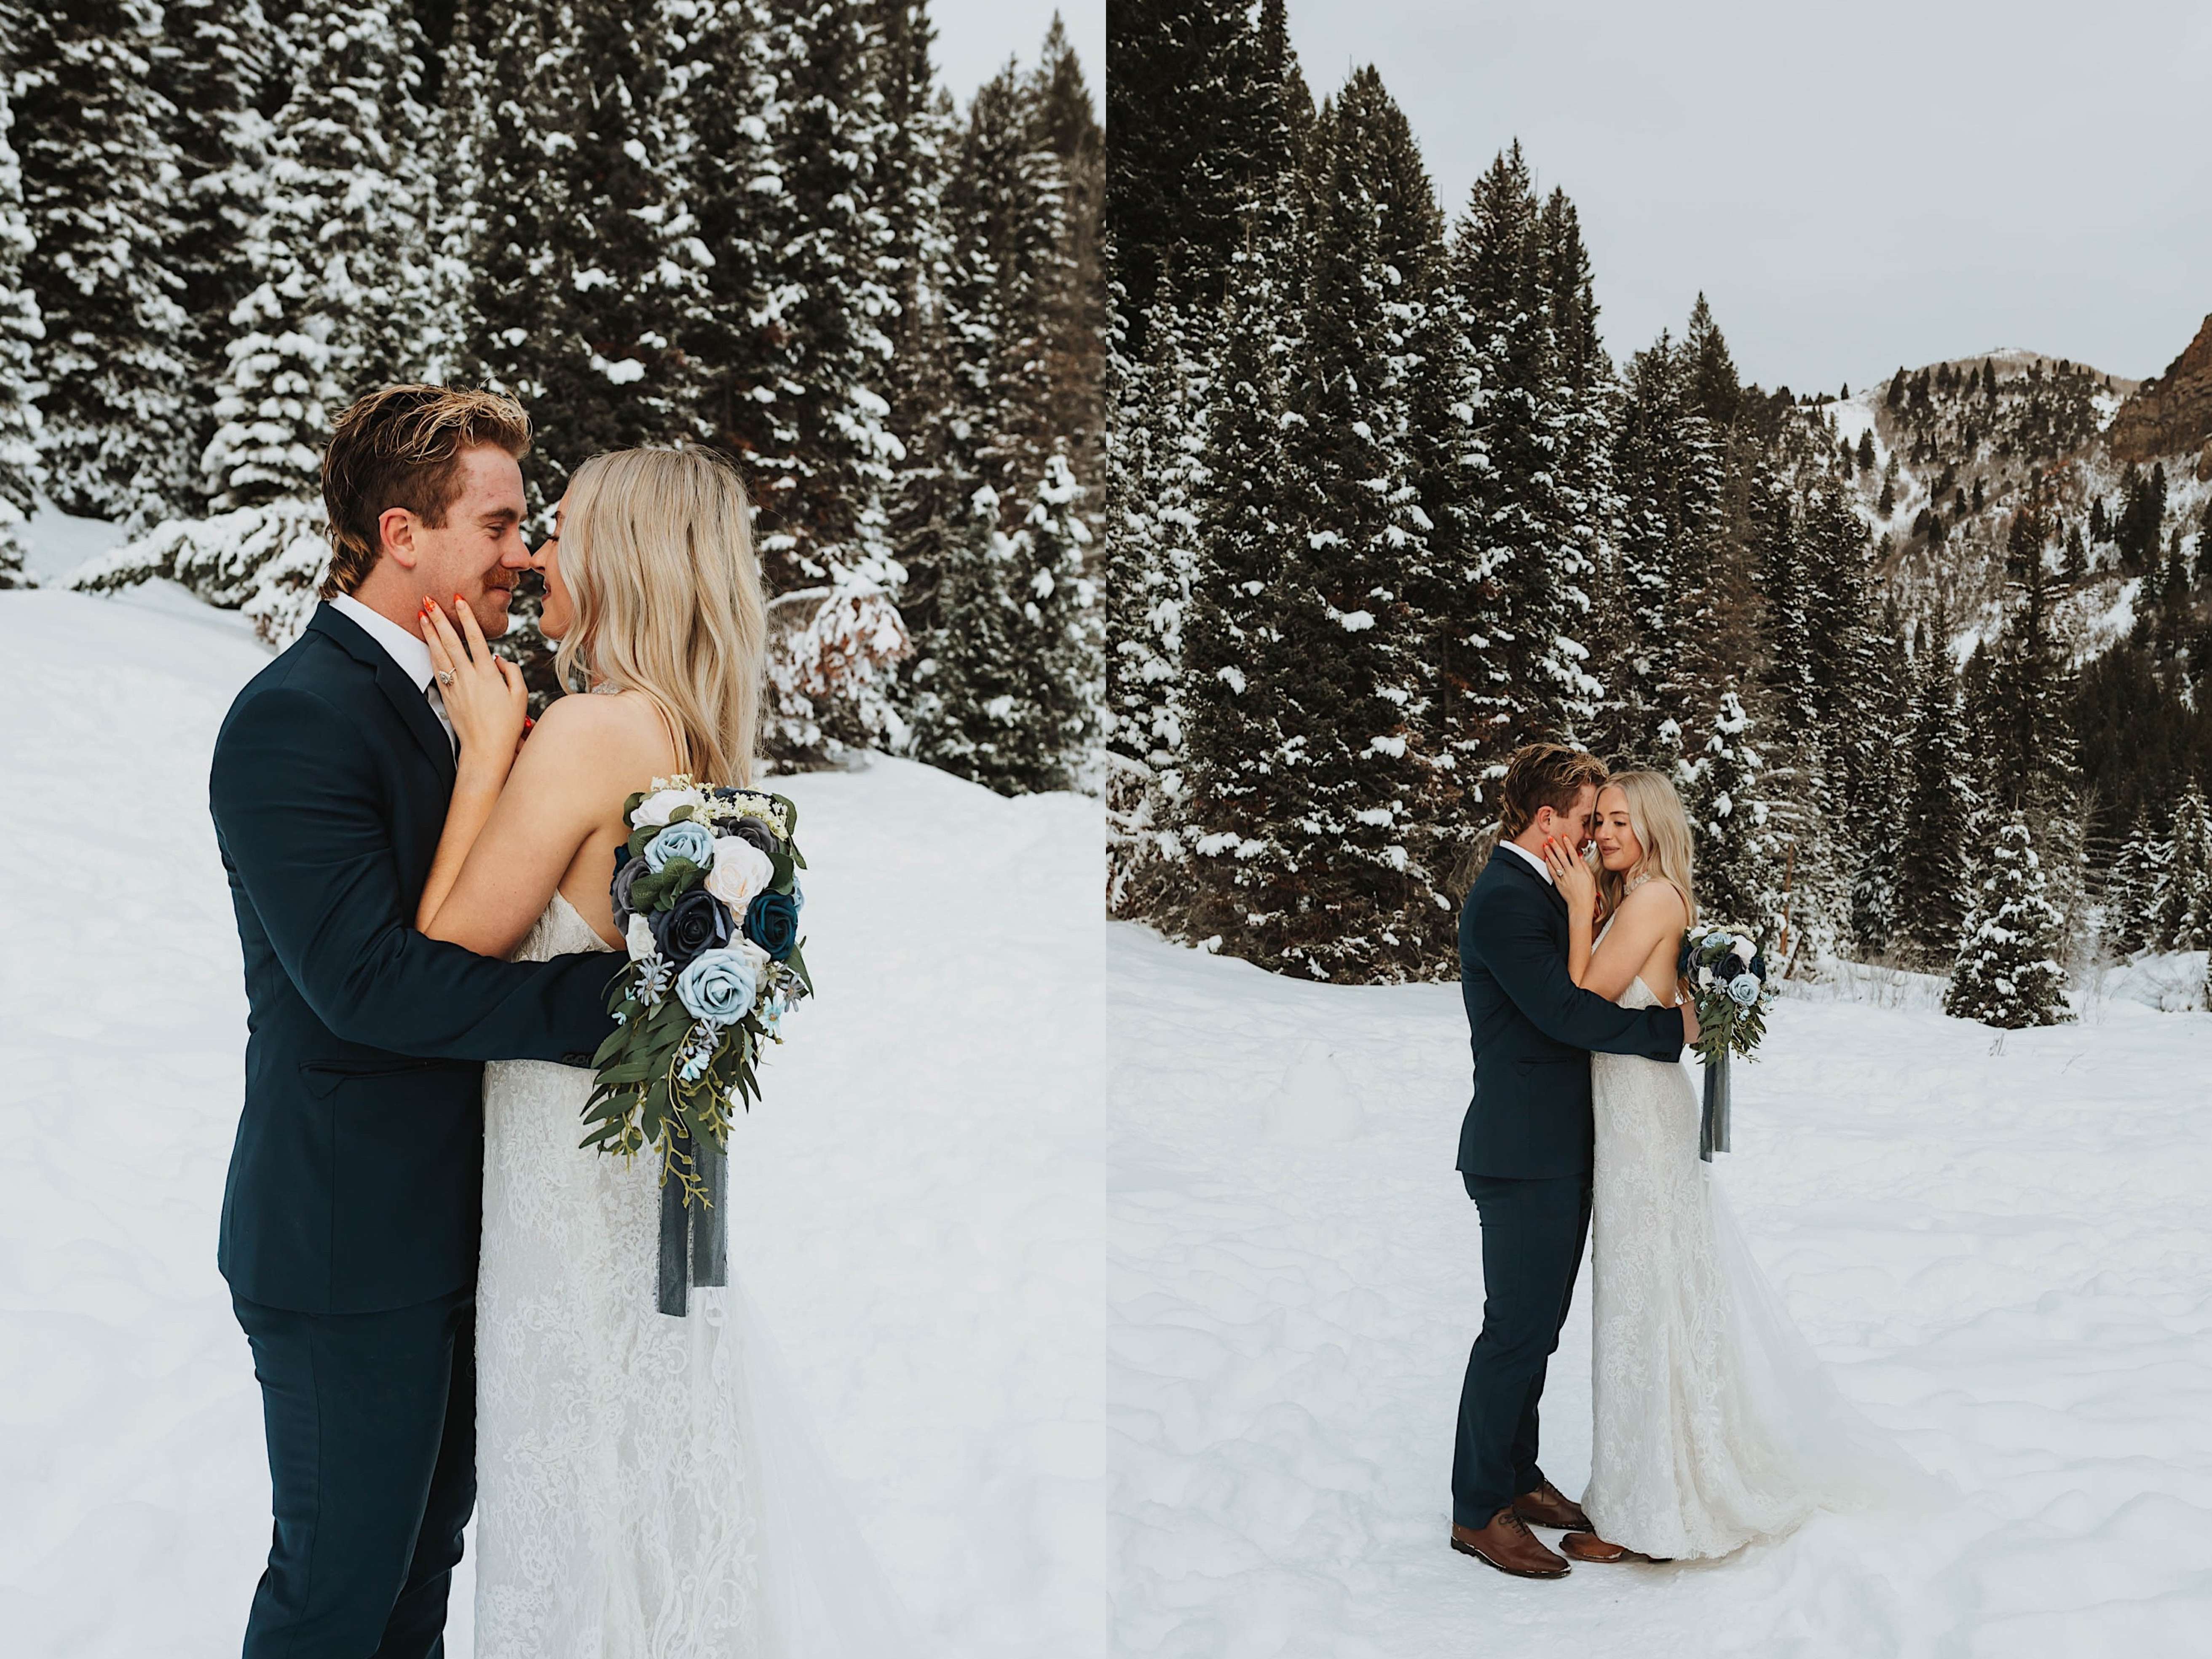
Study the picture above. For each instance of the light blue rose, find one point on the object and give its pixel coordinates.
(687, 839)
(718, 986)
(1744, 989)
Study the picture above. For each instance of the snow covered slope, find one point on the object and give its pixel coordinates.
(2000, 1241)
(919, 1208)
(2050, 417)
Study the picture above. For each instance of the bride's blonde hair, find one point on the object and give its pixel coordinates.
(1662, 829)
(657, 552)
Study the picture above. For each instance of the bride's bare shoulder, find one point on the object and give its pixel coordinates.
(1654, 907)
(588, 734)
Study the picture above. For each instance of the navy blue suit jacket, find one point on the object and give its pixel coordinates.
(1533, 1029)
(356, 1180)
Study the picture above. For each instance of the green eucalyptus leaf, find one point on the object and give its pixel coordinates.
(661, 888)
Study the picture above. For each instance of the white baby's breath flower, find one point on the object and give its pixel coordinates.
(741, 873)
(639, 938)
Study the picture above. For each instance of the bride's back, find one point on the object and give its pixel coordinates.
(597, 752)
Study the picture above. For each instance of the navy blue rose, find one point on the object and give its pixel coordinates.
(696, 922)
(772, 923)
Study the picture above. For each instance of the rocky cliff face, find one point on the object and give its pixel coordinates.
(2172, 414)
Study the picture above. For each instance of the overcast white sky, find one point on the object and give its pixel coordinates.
(975, 37)
(1854, 184)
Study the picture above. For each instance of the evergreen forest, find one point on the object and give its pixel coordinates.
(760, 225)
(1929, 665)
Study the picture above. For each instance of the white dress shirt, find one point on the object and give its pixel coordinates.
(406, 649)
(1534, 863)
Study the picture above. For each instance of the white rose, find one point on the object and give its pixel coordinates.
(741, 873)
(639, 938)
(655, 809)
(1744, 947)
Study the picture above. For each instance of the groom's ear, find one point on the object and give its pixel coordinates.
(395, 535)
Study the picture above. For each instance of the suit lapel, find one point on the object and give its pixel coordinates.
(412, 705)
(1514, 863)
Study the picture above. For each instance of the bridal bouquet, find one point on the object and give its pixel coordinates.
(705, 891)
(1726, 974)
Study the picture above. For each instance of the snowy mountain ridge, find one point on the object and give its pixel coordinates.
(1937, 460)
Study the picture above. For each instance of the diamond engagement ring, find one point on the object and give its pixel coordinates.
(444, 676)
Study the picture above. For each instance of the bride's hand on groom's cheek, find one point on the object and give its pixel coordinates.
(1570, 873)
(484, 695)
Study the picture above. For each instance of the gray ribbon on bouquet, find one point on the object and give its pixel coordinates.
(695, 1238)
(1713, 1125)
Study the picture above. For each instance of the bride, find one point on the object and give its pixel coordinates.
(646, 1485)
(1714, 1425)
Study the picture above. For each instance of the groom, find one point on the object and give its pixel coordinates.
(1524, 1149)
(350, 1216)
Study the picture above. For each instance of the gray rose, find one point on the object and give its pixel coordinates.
(625, 878)
(752, 828)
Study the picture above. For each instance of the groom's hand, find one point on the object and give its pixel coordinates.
(1689, 1022)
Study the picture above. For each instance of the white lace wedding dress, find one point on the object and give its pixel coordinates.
(647, 1487)
(1714, 1424)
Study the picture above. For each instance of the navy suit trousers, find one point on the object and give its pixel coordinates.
(1533, 1232)
(371, 1422)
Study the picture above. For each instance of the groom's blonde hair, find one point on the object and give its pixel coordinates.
(657, 552)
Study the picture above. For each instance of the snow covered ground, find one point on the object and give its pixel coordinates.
(2167, 981)
(2000, 1241)
(920, 1208)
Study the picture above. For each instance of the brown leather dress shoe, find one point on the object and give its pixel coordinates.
(1508, 1545)
(1547, 1506)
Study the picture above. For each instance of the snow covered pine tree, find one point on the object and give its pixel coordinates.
(2008, 973)
(20, 333)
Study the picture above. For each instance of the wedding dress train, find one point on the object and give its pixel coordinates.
(1713, 1423)
(648, 1487)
